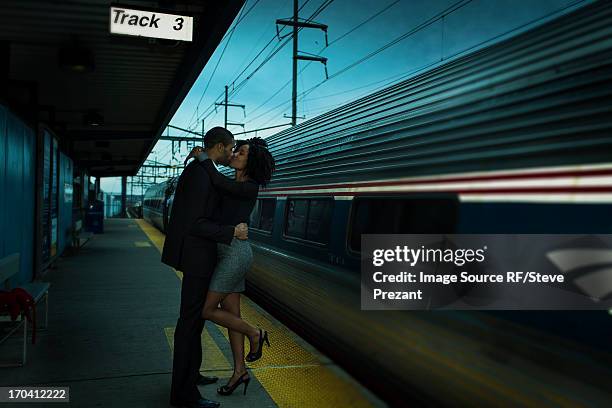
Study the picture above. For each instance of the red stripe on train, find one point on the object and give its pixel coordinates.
(573, 173)
(542, 190)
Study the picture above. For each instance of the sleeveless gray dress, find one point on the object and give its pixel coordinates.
(234, 260)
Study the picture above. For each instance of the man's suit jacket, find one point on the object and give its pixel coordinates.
(193, 231)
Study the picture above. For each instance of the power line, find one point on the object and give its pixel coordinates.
(449, 10)
(265, 47)
(239, 20)
(226, 104)
(235, 88)
(456, 6)
(338, 39)
(358, 26)
(427, 66)
(212, 106)
(405, 35)
(229, 33)
(318, 11)
(229, 39)
(258, 42)
(262, 50)
(297, 24)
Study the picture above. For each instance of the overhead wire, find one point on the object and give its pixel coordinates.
(445, 12)
(428, 22)
(336, 40)
(358, 26)
(211, 108)
(318, 11)
(454, 7)
(239, 20)
(258, 42)
(449, 10)
(227, 35)
(270, 55)
(264, 48)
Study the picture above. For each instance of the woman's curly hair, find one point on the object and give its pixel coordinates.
(260, 163)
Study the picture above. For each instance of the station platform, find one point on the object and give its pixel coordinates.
(113, 307)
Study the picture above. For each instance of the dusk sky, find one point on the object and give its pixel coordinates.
(357, 28)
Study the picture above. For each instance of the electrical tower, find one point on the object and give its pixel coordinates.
(226, 104)
(295, 23)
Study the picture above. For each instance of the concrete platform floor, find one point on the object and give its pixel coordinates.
(113, 309)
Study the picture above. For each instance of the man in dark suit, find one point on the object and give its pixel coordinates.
(191, 247)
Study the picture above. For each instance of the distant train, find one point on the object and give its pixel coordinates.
(516, 138)
(157, 203)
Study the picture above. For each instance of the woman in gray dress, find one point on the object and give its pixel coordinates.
(253, 164)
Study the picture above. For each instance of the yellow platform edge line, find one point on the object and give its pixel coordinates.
(308, 384)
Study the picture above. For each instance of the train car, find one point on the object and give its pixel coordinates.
(514, 138)
(157, 203)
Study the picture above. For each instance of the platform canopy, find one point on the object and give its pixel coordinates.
(108, 97)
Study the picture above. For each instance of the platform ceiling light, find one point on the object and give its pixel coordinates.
(93, 118)
(76, 59)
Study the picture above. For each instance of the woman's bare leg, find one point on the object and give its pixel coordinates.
(231, 303)
(226, 319)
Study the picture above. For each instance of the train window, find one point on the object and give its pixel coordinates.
(309, 219)
(319, 220)
(268, 206)
(255, 215)
(296, 218)
(262, 216)
(426, 215)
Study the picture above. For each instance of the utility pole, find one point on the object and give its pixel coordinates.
(295, 23)
(226, 104)
(295, 64)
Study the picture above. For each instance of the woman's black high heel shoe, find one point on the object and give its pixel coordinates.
(254, 356)
(228, 389)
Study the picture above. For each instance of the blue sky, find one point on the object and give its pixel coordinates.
(356, 29)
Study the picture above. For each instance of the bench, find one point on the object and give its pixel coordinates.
(9, 267)
(80, 236)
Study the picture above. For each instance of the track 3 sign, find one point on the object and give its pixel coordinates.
(126, 21)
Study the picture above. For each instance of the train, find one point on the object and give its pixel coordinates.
(513, 138)
(157, 203)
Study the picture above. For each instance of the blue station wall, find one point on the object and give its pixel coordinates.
(17, 191)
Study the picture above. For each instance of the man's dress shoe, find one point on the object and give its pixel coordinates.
(203, 380)
(201, 403)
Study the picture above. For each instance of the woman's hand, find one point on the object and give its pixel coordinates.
(193, 153)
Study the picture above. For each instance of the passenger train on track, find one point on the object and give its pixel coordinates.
(514, 138)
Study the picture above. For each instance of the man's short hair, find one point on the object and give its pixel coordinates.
(218, 135)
